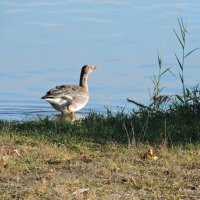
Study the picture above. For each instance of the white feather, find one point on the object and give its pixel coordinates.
(58, 101)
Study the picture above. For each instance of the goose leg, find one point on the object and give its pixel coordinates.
(62, 117)
(72, 116)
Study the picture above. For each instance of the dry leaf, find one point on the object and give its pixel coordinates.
(86, 159)
(150, 155)
(80, 191)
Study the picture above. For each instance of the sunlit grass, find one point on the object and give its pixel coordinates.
(45, 169)
(102, 157)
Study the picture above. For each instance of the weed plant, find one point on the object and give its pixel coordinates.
(181, 36)
(174, 118)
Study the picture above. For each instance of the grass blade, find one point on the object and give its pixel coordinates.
(166, 70)
(136, 103)
(159, 61)
(180, 98)
(190, 52)
(178, 38)
(181, 77)
(182, 28)
(179, 62)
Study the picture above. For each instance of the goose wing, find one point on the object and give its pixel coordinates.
(65, 92)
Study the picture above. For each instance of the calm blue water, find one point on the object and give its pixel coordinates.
(45, 43)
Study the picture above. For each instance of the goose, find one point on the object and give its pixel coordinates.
(71, 98)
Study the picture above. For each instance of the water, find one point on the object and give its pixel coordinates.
(45, 43)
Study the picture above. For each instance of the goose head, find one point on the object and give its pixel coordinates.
(87, 69)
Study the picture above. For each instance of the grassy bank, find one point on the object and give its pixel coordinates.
(100, 157)
(180, 125)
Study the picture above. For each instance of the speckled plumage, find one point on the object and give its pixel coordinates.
(70, 98)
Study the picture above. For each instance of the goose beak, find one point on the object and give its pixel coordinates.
(95, 67)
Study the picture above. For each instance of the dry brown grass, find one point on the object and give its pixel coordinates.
(42, 170)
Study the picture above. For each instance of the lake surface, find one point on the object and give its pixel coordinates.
(45, 43)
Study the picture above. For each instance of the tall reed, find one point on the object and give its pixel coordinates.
(181, 36)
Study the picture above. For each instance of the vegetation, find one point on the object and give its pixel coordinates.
(175, 116)
(50, 159)
(181, 61)
(151, 153)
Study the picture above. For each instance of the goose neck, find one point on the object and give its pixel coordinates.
(83, 81)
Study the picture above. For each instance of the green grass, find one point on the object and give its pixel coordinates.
(175, 126)
(101, 153)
